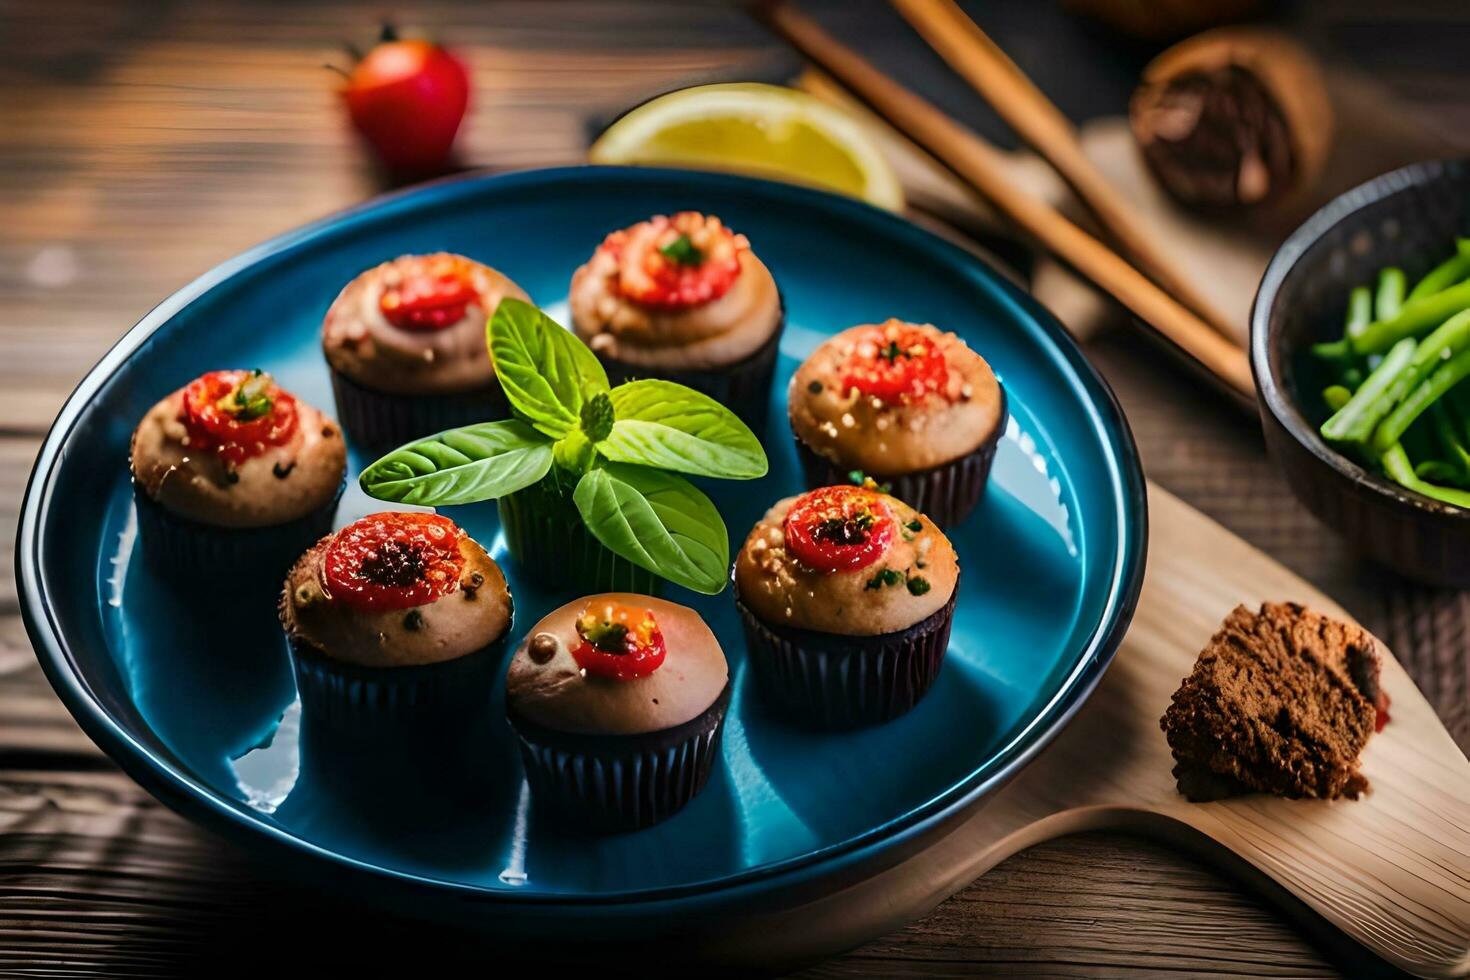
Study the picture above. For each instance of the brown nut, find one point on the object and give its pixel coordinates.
(542, 647)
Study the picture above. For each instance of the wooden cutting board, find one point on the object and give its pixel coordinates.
(1390, 872)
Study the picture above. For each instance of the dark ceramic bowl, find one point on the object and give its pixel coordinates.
(1408, 218)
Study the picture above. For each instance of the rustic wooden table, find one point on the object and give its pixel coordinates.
(143, 143)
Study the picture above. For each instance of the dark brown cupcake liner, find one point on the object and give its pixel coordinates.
(946, 494)
(381, 421)
(547, 539)
(743, 387)
(828, 681)
(187, 551)
(350, 699)
(620, 782)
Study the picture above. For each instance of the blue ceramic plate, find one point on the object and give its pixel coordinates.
(199, 706)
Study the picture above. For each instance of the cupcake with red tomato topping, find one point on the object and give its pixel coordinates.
(684, 299)
(395, 616)
(618, 701)
(906, 404)
(232, 474)
(405, 342)
(846, 595)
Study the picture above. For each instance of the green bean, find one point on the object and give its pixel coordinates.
(1420, 316)
(1416, 402)
(1396, 464)
(1360, 310)
(1438, 471)
(1355, 421)
(1446, 274)
(1359, 315)
(1336, 396)
(1388, 300)
(1451, 337)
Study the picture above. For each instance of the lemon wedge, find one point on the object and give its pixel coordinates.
(747, 127)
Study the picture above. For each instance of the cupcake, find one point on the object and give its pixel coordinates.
(684, 299)
(846, 595)
(232, 475)
(618, 701)
(405, 342)
(906, 404)
(397, 616)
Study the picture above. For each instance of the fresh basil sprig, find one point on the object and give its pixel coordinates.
(621, 449)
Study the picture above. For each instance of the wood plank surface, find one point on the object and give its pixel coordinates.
(143, 142)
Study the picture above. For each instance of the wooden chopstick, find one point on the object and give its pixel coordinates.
(978, 164)
(1037, 120)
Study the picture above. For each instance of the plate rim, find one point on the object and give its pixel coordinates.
(199, 803)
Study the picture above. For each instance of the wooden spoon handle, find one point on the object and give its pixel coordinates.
(979, 60)
(979, 164)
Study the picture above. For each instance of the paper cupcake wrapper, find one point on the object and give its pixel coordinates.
(547, 539)
(945, 494)
(615, 783)
(185, 550)
(831, 682)
(381, 421)
(345, 698)
(744, 387)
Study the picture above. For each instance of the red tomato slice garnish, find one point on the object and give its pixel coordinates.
(237, 414)
(618, 641)
(676, 262)
(896, 362)
(838, 529)
(434, 293)
(393, 560)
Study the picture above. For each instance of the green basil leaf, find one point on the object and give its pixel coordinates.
(658, 521)
(663, 424)
(462, 466)
(547, 373)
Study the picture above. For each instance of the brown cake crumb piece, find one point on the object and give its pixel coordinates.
(1280, 701)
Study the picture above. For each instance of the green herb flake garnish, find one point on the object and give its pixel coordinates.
(607, 637)
(252, 399)
(892, 352)
(682, 251)
(886, 576)
(918, 585)
(915, 525)
(861, 479)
